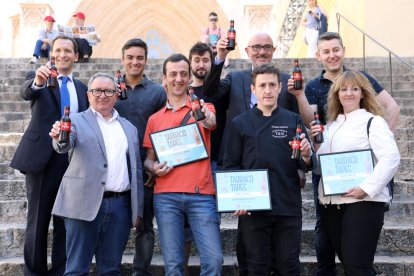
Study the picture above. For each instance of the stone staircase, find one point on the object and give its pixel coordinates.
(395, 252)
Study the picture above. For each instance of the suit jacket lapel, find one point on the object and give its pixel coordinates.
(82, 102)
(92, 121)
(247, 81)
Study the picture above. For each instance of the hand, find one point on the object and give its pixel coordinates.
(241, 213)
(356, 192)
(54, 132)
(221, 47)
(291, 84)
(315, 130)
(161, 169)
(305, 147)
(42, 73)
(205, 110)
(150, 181)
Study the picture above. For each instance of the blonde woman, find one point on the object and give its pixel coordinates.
(354, 220)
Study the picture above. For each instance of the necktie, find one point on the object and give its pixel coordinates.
(64, 94)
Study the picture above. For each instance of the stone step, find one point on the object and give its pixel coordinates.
(13, 207)
(395, 240)
(7, 173)
(14, 126)
(391, 266)
(15, 106)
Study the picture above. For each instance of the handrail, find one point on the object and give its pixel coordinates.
(390, 53)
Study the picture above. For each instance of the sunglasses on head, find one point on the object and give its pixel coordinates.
(213, 19)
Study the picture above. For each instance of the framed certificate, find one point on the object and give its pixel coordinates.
(179, 145)
(341, 171)
(238, 190)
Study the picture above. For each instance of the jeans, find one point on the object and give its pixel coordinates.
(325, 252)
(144, 240)
(105, 237)
(200, 211)
(38, 52)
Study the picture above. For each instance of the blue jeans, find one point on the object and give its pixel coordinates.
(38, 52)
(325, 252)
(105, 237)
(200, 211)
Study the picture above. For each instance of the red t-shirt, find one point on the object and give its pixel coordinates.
(194, 177)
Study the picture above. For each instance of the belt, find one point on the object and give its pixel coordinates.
(115, 194)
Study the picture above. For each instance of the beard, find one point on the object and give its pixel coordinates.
(200, 74)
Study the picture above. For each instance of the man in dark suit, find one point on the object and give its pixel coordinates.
(36, 158)
(234, 90)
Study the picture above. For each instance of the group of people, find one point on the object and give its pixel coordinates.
(48, 33)
(107, 177)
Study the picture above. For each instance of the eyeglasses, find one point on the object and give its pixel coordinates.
(107, 92)
(266, 48)
(213, 19)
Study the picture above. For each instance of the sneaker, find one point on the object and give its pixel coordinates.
(33, 60)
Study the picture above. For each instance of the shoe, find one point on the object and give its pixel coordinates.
(33, 60)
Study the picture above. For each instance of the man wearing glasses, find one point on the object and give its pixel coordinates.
(235, 92)
(101, 194)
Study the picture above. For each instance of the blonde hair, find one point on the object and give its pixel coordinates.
(369, 100)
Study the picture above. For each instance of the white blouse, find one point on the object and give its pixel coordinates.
(349, 132)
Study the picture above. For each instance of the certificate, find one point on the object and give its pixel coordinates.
(341, 171)
(179, 145)
(238, 190)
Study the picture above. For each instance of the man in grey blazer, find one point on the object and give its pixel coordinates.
(101, 193)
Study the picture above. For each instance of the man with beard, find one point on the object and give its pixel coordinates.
(201, 58)
(144, 99)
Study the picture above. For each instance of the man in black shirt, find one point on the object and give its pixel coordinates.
(201, 58)
(144, 99)
(260, 140)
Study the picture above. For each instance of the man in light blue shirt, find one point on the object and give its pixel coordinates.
(44, 41)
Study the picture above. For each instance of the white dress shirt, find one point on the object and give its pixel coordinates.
(349, 132)
(116, 147)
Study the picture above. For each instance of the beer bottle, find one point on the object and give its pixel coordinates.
(231, 36)
(296, 143)
(319, 136)
(297, 76)
(195, 105)
(65, 124)
(121, 81)
(52, 79)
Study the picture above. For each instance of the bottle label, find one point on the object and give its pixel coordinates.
(122, 85)
(295, 144)
(297, 76)
(65, 126)
(195, 105)
(53, 73)
(231, 35)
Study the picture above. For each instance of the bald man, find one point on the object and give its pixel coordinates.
(235, 94)
(234, 90)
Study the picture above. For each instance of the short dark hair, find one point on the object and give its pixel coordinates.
(175, 58)
(199, 49)
(329, 36)
(75, 45)
(265, 69)
(135, 42)
(212, 14)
